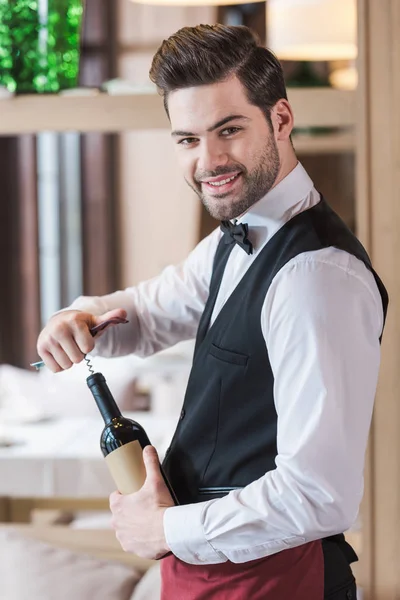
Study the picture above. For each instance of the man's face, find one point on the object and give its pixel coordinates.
(225, 146)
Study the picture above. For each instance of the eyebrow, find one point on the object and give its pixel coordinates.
(223, 121)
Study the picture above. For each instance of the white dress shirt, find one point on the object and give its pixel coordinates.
(321, 320)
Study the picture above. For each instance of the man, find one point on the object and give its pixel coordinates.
(267, 459)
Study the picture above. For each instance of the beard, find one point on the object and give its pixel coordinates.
(255, 184)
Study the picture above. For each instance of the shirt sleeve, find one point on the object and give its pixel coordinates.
(321, 320)
(161, 311)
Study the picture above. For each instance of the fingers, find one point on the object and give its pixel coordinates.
(84, 342)
(60, 356)
(50, 362)
(67, 337)
(65, 340)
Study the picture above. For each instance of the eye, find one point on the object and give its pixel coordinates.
(230, 131)
(187, 141)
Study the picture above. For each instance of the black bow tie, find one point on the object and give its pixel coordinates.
(237, 233)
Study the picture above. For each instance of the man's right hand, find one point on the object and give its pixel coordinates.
(66, 338)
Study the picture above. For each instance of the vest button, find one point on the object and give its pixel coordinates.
(183, 413)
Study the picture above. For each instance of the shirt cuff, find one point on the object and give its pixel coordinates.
(185, 536)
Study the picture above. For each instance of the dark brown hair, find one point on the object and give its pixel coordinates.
(210, 53)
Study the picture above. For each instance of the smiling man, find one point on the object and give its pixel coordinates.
(268, 456)
(213, 168)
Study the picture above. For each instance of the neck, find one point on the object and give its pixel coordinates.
(288, 163)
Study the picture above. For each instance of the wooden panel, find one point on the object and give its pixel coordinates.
(333, 176)
(154, 198)
(19, 510)
(28, 272)
(98, 157)
(9, 252)
(14, 513)
(379, 217)
(325, 144)
(101, 113)
(153, 194)
(363, 204)
(142, 24)
(322, 107)
(19, 301)
(100, 543)
(4, 510)
(363, 231)
(98, 217)
(312, 107)
(94, 26)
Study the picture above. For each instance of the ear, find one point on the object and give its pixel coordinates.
(282, 120)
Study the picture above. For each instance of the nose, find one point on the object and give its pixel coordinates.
(212, 155)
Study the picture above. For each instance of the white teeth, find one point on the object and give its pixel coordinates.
(223, 182)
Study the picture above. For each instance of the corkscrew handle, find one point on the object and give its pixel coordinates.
(94, 330)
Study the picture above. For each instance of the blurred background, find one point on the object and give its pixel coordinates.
(76, 208)
(87, 170)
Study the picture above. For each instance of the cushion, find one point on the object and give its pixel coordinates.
(34, 570)
(149, 587)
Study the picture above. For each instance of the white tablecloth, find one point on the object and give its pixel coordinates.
(62, 457)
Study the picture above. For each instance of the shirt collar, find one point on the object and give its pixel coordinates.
(290, 191)
(275, 208)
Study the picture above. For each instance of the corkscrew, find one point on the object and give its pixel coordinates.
(93, 331)
(89, 364)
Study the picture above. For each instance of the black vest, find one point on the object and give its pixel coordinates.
(226, 436)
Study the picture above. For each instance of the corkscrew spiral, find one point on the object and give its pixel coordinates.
(90, 366)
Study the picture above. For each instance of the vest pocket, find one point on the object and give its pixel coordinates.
(228, 356)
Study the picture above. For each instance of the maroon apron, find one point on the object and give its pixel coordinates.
(293, 574)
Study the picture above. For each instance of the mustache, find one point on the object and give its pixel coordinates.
(200, 175)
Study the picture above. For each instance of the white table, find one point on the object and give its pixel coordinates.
(62, 457)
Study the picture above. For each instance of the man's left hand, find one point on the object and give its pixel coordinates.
(138, 517)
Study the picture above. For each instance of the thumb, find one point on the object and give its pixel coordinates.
(152, 464)
(117, 313)
(154, 480)
(112, 317)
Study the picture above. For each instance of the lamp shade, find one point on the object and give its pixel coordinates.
(193, 2)
(312, 29)
(344, 79)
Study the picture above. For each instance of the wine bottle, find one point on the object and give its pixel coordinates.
(122, 441)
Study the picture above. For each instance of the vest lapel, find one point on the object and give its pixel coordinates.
(221, 258)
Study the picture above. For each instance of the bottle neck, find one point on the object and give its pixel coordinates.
(104, 399)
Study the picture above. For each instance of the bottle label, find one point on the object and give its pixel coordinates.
(127, 467)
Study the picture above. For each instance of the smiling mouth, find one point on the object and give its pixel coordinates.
(223, 185)
(222, 181)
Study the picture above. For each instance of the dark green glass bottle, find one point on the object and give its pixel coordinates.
(40, 45)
